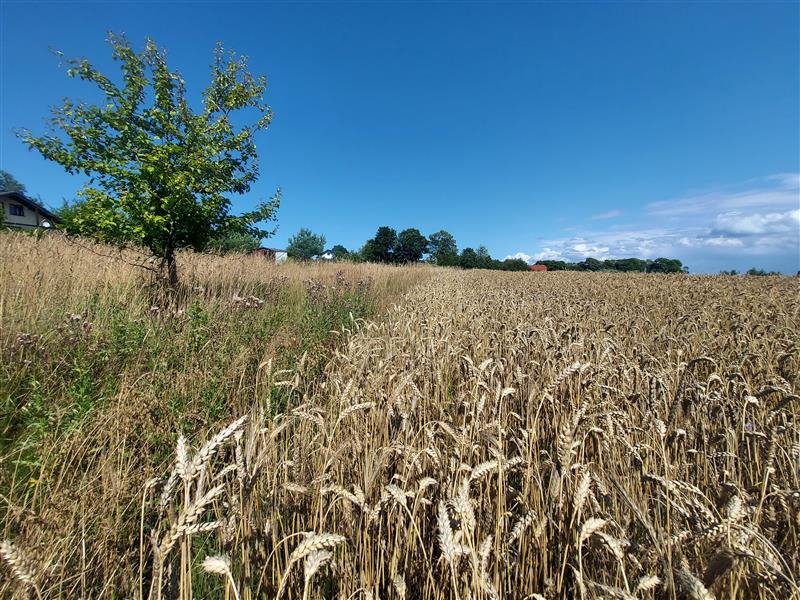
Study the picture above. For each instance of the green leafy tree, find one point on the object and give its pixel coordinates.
(591, 264)
(443, 249)
(9, 183)
(369, 252)
(468, 259)
(381, 247)
(410, 247)
(340, 252)
(665, 265)
(160, 173)
(68, 213)
(305, 244)
(761, 272)
(514, 264)
(484, 258)
(356, 256)
(556, 265)
(234, 241)
(626, 265)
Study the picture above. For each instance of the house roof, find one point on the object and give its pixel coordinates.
(32, 204)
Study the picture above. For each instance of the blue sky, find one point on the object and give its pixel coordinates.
(548, 130)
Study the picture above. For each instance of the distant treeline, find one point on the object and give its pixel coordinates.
(622, 265)
(440, 248)
(408, 246)
(753, 272)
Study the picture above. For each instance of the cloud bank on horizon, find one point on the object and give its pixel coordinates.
(754, 223)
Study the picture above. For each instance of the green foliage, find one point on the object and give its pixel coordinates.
(443, 249)
(126, 335)
(484, 259)
(369, 252)
(234, 241)
(305, 244)
(557, 265)
(198, 325)
(761, 272)
(381, 248)
(356, 255)
(623, 265)
(468, 259)
(160, 173)
(52, 381)
(441, 246)
(665, 265)
(626, 265)
(591, 264)
(340, 252)
(9, 183)
(514, 264)
(70, 215)
(410, 247)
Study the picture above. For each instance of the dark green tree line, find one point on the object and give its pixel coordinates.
(623, 265)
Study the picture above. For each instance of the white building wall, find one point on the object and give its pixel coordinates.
(29, 218)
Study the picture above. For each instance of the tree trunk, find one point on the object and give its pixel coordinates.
(169, 271)
(172, 270)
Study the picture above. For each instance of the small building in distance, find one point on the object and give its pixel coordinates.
(538, 267)
(272, 254)
(21, 212)
(326, 255)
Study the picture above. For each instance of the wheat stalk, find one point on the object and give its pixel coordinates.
(20, 566)
(221, 565)
(313, 543)
(450, 549)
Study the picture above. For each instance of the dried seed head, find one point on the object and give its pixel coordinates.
(21, 568)
(219, 565)
(314, 562)
(590, 526)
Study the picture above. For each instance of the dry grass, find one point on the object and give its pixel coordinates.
(491, 435)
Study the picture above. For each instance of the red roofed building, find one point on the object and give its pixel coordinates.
(538, 267)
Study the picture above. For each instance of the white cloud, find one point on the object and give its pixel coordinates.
(611, 214)
(755, 222)
(617, 243)
(737, 223)
(522, 255)
(772, 192)
(587, 249)
(722, 242)
(789, 180)
(548, 254)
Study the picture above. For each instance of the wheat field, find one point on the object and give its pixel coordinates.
(481, 435)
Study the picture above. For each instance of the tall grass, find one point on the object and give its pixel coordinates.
(99, 374)
(488, 435)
